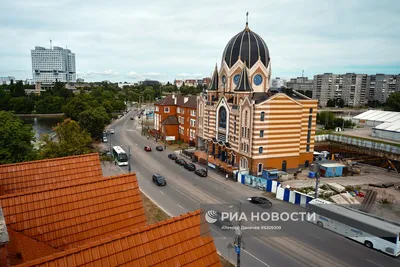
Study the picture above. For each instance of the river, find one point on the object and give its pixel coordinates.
(42, 125)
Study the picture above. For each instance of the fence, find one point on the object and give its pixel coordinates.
(358, 142)
(273, 186)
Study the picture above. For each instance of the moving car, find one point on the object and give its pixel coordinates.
(181, 162)
(147, 148)
(105, 139)
(201, 172)
(159, 180)
(260, 201)
(159, 148)
(225, 224)
(172, 156)
(190, 167)
(112, 131)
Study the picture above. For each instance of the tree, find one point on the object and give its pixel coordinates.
(107, 106)
(340, 103)
(72, 140)
(21, 105)
(17, 90)
(16, 139)
(325, 118)
(118, 105)
(330, 103)
(4, 99)
(94, 120)
(50, 104)
(74, 107)
(308, 93)
(393, 102)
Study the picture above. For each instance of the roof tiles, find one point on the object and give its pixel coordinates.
(72, 215)
(180, 241)
(45, 174)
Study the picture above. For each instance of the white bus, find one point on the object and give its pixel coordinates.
(373, 232)
(120, 156)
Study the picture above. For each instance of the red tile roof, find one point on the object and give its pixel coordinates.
(75, 214)
(28, 248)
(45, 174)
(175, 242)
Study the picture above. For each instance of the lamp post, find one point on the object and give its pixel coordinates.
(317, 175)
(207, 151)
(129, 159)
(165, 137)
(238, 242)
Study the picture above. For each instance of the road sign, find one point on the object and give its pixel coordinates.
(237, 249)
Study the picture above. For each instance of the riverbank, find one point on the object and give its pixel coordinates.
(55, 115)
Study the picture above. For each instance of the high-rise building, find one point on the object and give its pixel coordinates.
(54, 64)
(353, 91)
(380, 86)
(300, 84)
(326, 86)
(278, 83)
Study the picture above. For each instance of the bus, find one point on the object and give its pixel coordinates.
(120, 156)
(374, 232)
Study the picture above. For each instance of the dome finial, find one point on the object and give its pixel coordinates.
(247, 20)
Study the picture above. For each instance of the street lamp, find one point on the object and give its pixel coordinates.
(207, 150)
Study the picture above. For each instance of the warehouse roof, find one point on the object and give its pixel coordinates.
(389, 126)
(379, 116)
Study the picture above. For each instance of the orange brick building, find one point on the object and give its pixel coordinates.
(175, 118)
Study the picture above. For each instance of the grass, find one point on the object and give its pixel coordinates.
(320, 132)
(155, 214)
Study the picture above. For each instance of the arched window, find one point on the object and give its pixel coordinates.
(260, 150)
(222, 118)
(260, 166)
(245, 118)
(262, 117)
(243, 163)
(311, 110)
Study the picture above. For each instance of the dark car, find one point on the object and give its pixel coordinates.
(172, 156)
(190, 167)
(181, 162)
(159, 180)
(147, 148)
(201, 172)
(159, 148)
(131, 118)
(260, 201)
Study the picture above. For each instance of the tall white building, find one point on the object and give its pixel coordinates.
(54, 64)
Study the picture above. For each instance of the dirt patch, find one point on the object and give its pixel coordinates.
(155, 214)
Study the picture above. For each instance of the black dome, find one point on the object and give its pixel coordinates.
(249, 46)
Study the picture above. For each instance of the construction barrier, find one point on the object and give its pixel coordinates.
(293, 197)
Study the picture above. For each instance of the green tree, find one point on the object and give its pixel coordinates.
(118, 105)
(325, 118)
(50, 104)
(16, 139)
(21, 105)
(94, 120)
(393, 102)
(74, 107)
(71, 140)
(308, 93)
(17, 90)
(4, 99)
(107, 106)
(340, 103)
(330, 103)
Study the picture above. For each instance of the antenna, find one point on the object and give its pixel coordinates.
(247, 19)
(302, 73)
(50, 45)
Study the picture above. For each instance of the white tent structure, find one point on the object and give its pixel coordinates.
(386, 124)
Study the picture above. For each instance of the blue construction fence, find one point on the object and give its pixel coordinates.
(269, 185)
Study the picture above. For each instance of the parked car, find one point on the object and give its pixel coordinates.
(201, 172)
(181, 162)
(147, 148)
(131, 118)
(159, 148)
(105, 139)
(172, 156)
(190, 167)
(159, 180)
(260, 201)
(112, 131)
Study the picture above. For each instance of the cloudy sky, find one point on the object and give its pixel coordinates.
(128, 40)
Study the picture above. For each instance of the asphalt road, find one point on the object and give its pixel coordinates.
(302, 244)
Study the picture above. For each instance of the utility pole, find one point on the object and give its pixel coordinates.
(129, 159)
(239, 238)
(109, 136)
(317, 180)
(207, 150)
(165, 138)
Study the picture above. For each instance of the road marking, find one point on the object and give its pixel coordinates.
(256, 258)
(374, 262)
(130, 130)
(315, 236)
(162, 192)
(148, 181)
(218, 233)
(180, 206)
(239, 199)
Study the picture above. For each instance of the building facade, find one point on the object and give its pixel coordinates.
(300, 84)
(355, 89)
(175, 118)
(54, 64)
(244, 123)
(278, 83)
(7, 80)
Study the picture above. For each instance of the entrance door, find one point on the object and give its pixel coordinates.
(284, 165)
(223, 156)
(307, 164)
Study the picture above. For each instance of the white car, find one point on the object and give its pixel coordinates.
(105, 139)
(112, 131)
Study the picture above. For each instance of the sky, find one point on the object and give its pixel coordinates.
(128, 40)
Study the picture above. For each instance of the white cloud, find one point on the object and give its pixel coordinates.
(133, 74)
(103, 73)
